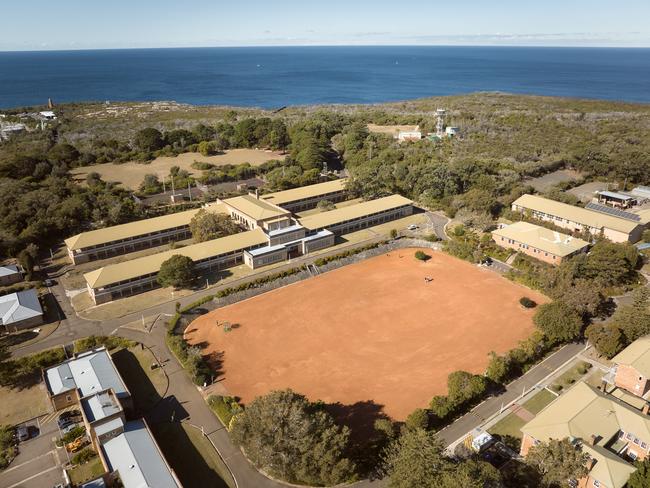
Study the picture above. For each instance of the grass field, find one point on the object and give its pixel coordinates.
(373, 334)
(86, 472)
(191, 456)
(537, 403)
(145, 384)
(19, 405)
(131, 174)
(509, 425)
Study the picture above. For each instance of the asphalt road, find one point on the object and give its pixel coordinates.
(37, 464)
(492, 405)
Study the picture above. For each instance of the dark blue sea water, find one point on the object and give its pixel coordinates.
(276, 76)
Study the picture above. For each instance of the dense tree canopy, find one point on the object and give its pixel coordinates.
(207, 225)
(177, 271)
(559, 322)
(558, 462)
(292, 439)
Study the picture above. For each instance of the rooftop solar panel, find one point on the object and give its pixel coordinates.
(613, 212)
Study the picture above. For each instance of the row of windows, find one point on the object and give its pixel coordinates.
(631, 437)
(171, 230)
(310, 202)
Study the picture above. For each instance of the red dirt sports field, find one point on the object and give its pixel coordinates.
(371, 331)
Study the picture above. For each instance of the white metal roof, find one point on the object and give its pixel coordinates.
(90, 372)
(100, 406)
(19, 306)
(135, 456)
(8, 270)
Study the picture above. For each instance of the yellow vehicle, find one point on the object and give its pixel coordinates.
(76, 444)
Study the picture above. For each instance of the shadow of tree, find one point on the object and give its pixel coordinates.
(366, 443)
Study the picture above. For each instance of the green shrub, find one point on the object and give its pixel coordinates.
(20, 371)
(7, 445)
(569, 381)
(431, 238)
(202, 166)
(393, 233)
(224, 407)
(583, 367)
(94, 342)
(78, 431)
(422, 256)
(527, 302)
(557, 388)
(328, 259)
(83, 456)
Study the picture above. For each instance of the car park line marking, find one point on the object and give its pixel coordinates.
(26, 462)
(15, 485)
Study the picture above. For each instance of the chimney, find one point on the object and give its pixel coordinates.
(257, 193)
(646, 407)
(590, 464)
(593, 439)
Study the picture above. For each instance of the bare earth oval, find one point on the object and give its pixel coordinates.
(372, 331)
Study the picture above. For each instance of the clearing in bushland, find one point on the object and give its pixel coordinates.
(386, 330)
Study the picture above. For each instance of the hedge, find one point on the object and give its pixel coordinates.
(224, 407)
(109, 342)
(328, 259)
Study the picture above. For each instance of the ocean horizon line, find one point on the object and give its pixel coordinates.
(298, 46)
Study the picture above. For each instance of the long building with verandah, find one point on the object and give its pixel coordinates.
(578, 219)
(258, 247)
(308, 197)
(133, 236)
(138, 275)
(271, 211)
(539, 242)
(360, 216)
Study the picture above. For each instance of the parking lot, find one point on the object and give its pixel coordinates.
(39, 462)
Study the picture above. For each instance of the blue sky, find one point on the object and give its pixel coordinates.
(88, 24)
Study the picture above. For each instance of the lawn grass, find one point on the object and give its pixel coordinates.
(147, 386)
(19, 405)
(86, 472)
(192, 456)
(569, 377)
(535, 404)
(510, 426)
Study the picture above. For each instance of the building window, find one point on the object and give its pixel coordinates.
(644, 445)
(629, 436)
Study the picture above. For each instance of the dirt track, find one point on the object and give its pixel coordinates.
(374, 331)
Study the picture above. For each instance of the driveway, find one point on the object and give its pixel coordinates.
(437, 223)
(37, 464)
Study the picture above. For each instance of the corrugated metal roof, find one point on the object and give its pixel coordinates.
(584, 411)
(636, 355)
(109, 426)
(151, 264)
(90, 373)
(137, 228)
(8, 270)
(135, 456)
(362, 209)
(541, 238)
(99, 406)
(613, 194)
(19, 306)
(309, 191)
(256, 208)
(575, 214)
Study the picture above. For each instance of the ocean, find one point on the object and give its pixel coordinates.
(272, 77)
